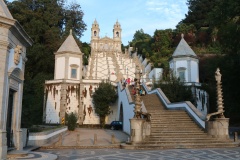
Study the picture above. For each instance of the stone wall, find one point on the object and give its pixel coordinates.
(41, 138)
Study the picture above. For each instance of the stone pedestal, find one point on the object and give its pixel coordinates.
(218, 128)
(136, 130)
(3, 144)
(19, 140)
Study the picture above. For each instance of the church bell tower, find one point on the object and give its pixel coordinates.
(95, 35)
(117, 36)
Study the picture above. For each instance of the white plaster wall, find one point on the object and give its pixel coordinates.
(90, 118)
(52, 113)
(60, 70)
(128, 109)
(171, 65)
(156, 73)
(72, 102)
(194, 72)
(77, 61)
(144, 62)
(148, 68)
(141, 59)
(114, 115)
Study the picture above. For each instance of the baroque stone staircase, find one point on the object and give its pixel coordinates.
(175, 129)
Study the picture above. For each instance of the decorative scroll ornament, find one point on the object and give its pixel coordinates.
(17, 52)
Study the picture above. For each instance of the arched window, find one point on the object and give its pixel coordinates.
(95, 33)
(117, 34)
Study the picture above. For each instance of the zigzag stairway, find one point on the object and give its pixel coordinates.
(174, 129)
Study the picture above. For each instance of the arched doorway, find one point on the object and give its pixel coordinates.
(9, 119)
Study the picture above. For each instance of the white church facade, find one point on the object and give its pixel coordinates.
(68, 92)
(74, 84)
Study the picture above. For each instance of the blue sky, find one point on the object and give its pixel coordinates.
(132, 15)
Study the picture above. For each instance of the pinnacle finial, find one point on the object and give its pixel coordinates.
(70, 32)
(182, 35)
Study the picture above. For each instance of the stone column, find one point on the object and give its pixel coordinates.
(189, 71)
(66, 67)
(18, 132)
(3, 144)
(63, 102)
(4, 56)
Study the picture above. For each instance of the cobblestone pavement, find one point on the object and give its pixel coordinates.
(35, 156)
(121, 154)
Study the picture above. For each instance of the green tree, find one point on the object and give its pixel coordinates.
(86, 49)
(104, 95)
(141, 36)
(225, 18)
(45, 21)
(73, 19)
(198, 11)
(174, 89)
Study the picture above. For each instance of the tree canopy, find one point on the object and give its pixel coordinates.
(48, 23)
(102, 97)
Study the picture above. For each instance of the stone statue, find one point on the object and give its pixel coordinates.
(17, 52)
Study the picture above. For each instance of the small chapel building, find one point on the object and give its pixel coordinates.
(13, 43)
(184, 63)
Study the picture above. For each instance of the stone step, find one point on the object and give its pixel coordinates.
(169, 121)
(167, 137)
(179, 138)
(176, 132)
(175, 129)
(161, 111)
(170, 116)
(172, 124)
(186, 145)
(152, 142)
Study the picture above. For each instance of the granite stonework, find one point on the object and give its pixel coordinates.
(13, 43)
(136, 130)
(218, 128)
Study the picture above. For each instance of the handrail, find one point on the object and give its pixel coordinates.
(187, 106)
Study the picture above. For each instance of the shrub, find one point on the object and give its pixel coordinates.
(72, 121)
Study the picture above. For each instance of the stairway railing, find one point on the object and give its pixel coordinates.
(198, 117)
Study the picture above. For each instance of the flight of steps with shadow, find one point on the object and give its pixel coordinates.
(175, 129)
